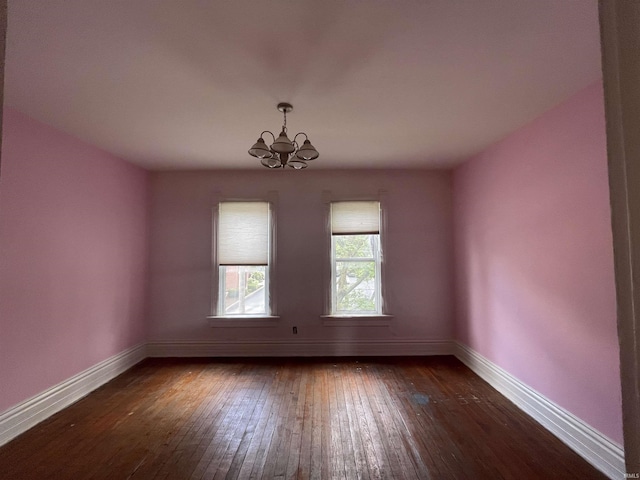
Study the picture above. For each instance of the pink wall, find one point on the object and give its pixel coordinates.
(419, 275)
(535, 282)
(73, 256)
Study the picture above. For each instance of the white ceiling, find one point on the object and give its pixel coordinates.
(185, 84)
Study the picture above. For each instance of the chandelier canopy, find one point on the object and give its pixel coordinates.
(284, 152)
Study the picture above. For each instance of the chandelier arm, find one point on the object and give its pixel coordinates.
(267, 131)
(300, 133)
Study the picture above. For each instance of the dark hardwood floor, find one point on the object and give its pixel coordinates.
(414, 418)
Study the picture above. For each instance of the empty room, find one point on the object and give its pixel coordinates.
(318, 240)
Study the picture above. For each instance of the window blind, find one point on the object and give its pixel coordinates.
(243, 233)
(355, 218)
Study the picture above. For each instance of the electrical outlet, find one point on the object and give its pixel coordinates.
(295, 330)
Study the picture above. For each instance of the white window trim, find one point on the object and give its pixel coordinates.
(328, 318)
(259, 320)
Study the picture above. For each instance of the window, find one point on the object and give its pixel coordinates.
(355, 258)
(243, 257)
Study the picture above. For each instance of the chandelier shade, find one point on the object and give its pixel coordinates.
(283, 144)
(260, 149)
(307, 152)
(284, 152)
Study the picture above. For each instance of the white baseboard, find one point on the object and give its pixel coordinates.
(25, 415)
(604, 454)
(297, 349)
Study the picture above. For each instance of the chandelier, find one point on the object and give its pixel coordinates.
(283, 151)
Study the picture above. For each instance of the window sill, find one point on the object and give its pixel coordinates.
(369, 320)
(237, 321)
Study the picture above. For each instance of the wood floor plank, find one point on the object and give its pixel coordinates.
(379, 418)
(192, 442)
(197, 422)
(236, 453)
(318, 469)
(376, 456)
(278, 452)
(292, 470)
(336, 454)
(261, 428)
(353, 461)
(228, 440)
(271, 435)
(350, 421)
(395, 434)
(215, 438)
(303, 469)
